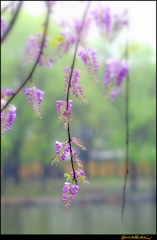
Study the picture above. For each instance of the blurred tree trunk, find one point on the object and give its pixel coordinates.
(11, 170)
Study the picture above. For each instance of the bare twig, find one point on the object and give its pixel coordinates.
(127, 134)
(67, 99)
(12, 21)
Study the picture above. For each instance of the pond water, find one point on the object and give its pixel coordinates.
(79, 219)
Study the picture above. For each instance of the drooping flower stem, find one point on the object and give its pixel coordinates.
(127, 132)
(75, 53)
(69, 84)
(41, 49)
(71, 158)
(12, 21)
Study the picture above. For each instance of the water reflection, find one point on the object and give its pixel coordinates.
(79, 219)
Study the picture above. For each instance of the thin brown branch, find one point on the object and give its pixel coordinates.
(68, 89)
(127, 134)
(34, 67)
(12, 21)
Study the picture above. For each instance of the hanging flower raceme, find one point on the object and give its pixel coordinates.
(64, 111)
(63, 148)
(76, 159)
(80, 176)
(69, 189)
(6, 92)
(73, 87)
(88, 56)
(60, 153)
(109, 23)
(78, 143)
(69, 194)
(70, 35)
(8, 115)
(33, 49)
(103, 19)
(63, 47)
(116, 72)
(81, 31)
(35, 97)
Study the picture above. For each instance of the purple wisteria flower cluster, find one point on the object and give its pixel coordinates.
(69, 194)
(71, 189)
(6, 92)
(78, 143)
(74, 88)
(116, 73)
(72, 32)
(64, 111)
(63, 148)
(80, 176)
(9, 114)
(88, 56)
(35, 97)
(33, 49)
(61, 153)
(109, 23)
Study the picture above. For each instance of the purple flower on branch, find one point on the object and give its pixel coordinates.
(61, 150)
(80, 176)
(7, 117)
(109, 23)
(103, 19)
(70, 35)
(88, 56)
(33, 49)
(74, 88)
(64, 112)
(116, 72)
(6, 92)
(78, 143)
(76, 159)
(81, 33)
(69, 193)
(35, 97)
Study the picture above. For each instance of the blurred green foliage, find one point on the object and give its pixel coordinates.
(31, 139)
